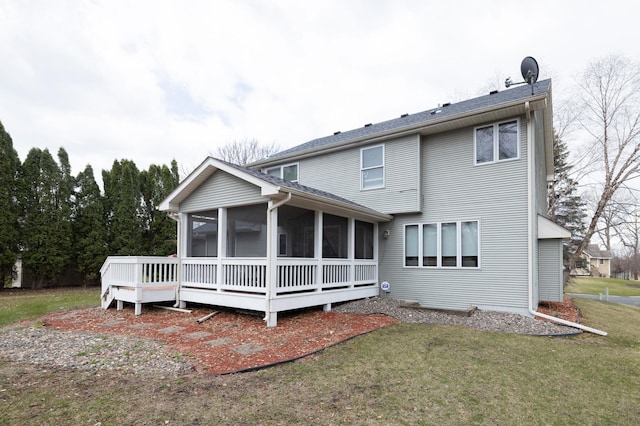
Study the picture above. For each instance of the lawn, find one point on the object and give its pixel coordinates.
(19, 304)
(402, 374)
(595, 285)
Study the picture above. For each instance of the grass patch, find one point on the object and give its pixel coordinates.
(403, 374)
(17, 305)
(596, 285)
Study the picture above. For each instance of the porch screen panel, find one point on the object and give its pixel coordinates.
(449, 244)
(364, 240)
(411, 239)
(334, 236)
(297, 225)
(203, 240)
(247, 231)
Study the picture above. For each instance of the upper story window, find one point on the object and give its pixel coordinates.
(497, 142)
(372, 167)
(288, 172)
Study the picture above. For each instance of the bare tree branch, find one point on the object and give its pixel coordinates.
(245, 151)
(610, 116)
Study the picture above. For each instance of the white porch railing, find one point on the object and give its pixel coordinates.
(138, 279)
(132, 279)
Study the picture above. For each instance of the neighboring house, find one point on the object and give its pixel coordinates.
(446, 205)
(599, 261)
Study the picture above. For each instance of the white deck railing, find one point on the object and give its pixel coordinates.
(238, 275)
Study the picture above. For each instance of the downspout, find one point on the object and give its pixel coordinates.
(269, 293)
(531, 236)
(176, 217)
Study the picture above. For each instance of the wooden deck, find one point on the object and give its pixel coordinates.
(245, 283)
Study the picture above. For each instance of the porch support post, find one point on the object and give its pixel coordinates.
(351, 250)
(376, 247)
(271, 278)
(222, 247)
(271, 318)
(317, 248)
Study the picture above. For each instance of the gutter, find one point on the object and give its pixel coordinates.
(531, 236)
(269, 283)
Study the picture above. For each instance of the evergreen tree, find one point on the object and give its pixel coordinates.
(89, 227)
(123, 202)
(64, 202)
(159, 230)
(565, 207)
(9, 208)
(46, 244)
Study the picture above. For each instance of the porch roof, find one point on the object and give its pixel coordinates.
(271, 187)
(549, 230)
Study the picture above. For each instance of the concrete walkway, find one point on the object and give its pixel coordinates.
(625, 300)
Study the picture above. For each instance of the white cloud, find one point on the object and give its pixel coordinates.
(157, 80)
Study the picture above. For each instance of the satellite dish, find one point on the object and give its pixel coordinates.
(529, 69)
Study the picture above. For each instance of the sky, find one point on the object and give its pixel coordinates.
(153, 81)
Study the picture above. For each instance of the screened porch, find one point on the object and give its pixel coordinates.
(275, 257)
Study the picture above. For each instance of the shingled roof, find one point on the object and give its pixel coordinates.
(292, 185)
(594, 252)
(495, 98)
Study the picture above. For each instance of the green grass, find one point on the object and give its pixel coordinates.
(595, 285)
(16, 305)
(403, 374)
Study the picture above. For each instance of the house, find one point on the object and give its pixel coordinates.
(599, 261)
(446, 207)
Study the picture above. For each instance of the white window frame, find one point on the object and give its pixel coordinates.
(420, 226)
(364, 169)
(496, 142)
(281, 169)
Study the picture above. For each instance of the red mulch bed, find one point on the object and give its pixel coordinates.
(565, 310)
(233, 341)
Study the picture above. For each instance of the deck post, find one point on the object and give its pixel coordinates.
(271, 319)
(326, 307)
(119, 305)
(138, 309)
(351, 250)
(317, 249)
(222, 247)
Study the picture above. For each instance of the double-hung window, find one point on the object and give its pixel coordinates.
(442, 245)
(372, 167)
(288, 172)
(497, 142)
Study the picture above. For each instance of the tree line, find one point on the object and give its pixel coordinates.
(62, 227)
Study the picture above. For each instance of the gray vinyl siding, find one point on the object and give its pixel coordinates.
(550, 270)
(222, 190)
(454, 189)
(339, 173)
